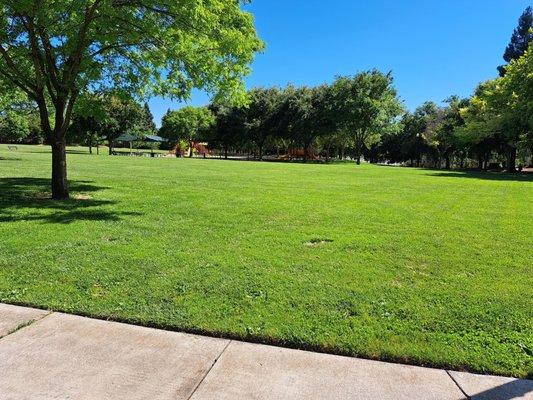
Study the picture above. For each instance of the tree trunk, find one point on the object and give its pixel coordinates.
(110, 145)
(260, 152)
(511, 160)
(90, 146)
(226, 152)
(59, 169)
(358, 159)
(447, 162)
(191, 143)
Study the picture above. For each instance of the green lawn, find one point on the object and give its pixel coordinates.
(418, 266)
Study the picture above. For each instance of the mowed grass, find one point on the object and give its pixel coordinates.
(417, 266)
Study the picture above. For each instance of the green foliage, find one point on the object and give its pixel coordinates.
(501, 109)
(366, 106)
(187, 123)
(520, 40)
(143, 47)
(57, 51)
(354, 111)
(19, 119)
(229, 128)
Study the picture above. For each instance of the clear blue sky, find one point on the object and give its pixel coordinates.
(434, 48)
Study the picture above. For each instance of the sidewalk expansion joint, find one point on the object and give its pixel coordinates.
(209, 370)
(25, 325)
(467, 397)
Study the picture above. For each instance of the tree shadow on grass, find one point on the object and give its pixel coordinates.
(28, 199)
(492, 176)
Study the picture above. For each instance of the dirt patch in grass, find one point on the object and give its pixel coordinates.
(317, 242)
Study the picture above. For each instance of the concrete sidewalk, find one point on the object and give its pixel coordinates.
(58, 356)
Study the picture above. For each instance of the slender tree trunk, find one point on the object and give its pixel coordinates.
(511, 160)
(110, 145)
(446, 161)
(359, 151)
(260, 147)
(190, 148)
(59, 169)
(90, 145)
(226, 152)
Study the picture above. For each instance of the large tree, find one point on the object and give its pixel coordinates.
(441, 130)
(366, 106)
(522, 36)
(56, 51)
(262, 116)
(310, 115)
(187, 123)
(229, 128)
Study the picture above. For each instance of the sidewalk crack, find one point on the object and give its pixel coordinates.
(25, 324)
(467, 397)
(209, 370)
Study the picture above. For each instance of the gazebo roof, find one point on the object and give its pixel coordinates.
(126, 137)
(154, 138)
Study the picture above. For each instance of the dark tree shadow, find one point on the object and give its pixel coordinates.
(28, 199)
(10, 159)
(515, 389)
(493, 176)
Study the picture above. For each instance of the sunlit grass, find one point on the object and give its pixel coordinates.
(419, 266)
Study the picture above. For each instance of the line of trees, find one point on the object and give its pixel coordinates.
(351, 113)
(361, 115)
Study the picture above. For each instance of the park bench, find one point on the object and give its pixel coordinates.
(12, 147)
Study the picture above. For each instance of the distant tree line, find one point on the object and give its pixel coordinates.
(355, 116)
(98, 120)
(297, 122)
(361, 115)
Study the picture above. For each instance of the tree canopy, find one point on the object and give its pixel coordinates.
(58, 51)
(520, 39)
(187, 123)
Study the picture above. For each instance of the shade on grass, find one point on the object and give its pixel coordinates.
(420, 266)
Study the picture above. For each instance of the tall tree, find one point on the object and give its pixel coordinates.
(310, 115)
(520, 40)
(229, 128)
(441, 130)
(187, 123)
(262, 118)
(58, 50)
(147, 120)
(366, 106)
